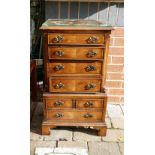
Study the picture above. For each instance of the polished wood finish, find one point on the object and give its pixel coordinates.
(74, 68)
(78, 114)
(58, 103)
(75, 61)
(46, 129)
(104, 65)
(63, 38)
(75, 85)
(77, 29)
(49, 124)
(89, 103)
(100, 95)
(102, 131)
(74, 114)
(79, 53)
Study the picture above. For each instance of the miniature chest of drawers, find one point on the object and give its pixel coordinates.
(75, 58)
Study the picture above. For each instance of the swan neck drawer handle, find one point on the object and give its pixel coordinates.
(59, 53)
(59, 85)
(90, 86)
(92, 39)
(88, 116)
(58, 39)
(91, 54)
(59, 103)
(59, 115)
(90, 68)
(59, 67)
(88, 104)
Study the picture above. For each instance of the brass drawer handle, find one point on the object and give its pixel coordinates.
(59, 115)
(59, 85)
(91, 54)
(58, 39)
(88, 104)
(88, 116)
(59, 67)
(92, 39)
(90, 86)
(59, 53)
(90, 68)
(59, 103)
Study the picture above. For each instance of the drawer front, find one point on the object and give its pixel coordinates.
(74, 85)
(75, 53)
(62, 38)
(89, 115)
(74, 68)
(58, 103)
(89, 103)
(60, 115)
(83, 115)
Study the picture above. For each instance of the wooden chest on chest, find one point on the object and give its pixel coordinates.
(75, 58)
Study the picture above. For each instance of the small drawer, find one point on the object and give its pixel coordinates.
(57, 84)
(74, 68)
(64, 38)
(60, 115)
(75, 53)
(89, 115)
(90, 103)
(58, 103)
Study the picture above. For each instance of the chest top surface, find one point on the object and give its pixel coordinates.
(67, 24)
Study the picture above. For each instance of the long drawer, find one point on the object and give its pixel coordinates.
(75, 52)
(78, 115)
(64, 38)
(62, 67)
(73, 84)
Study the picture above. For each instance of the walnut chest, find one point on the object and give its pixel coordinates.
(75, 58)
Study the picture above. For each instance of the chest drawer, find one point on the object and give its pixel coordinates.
(89, 103)
(85, 115)
(75, 53)
(64, 38)
(58, 103)
(59, 115)
(74, 68)
(80, 115)
(73, 84)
